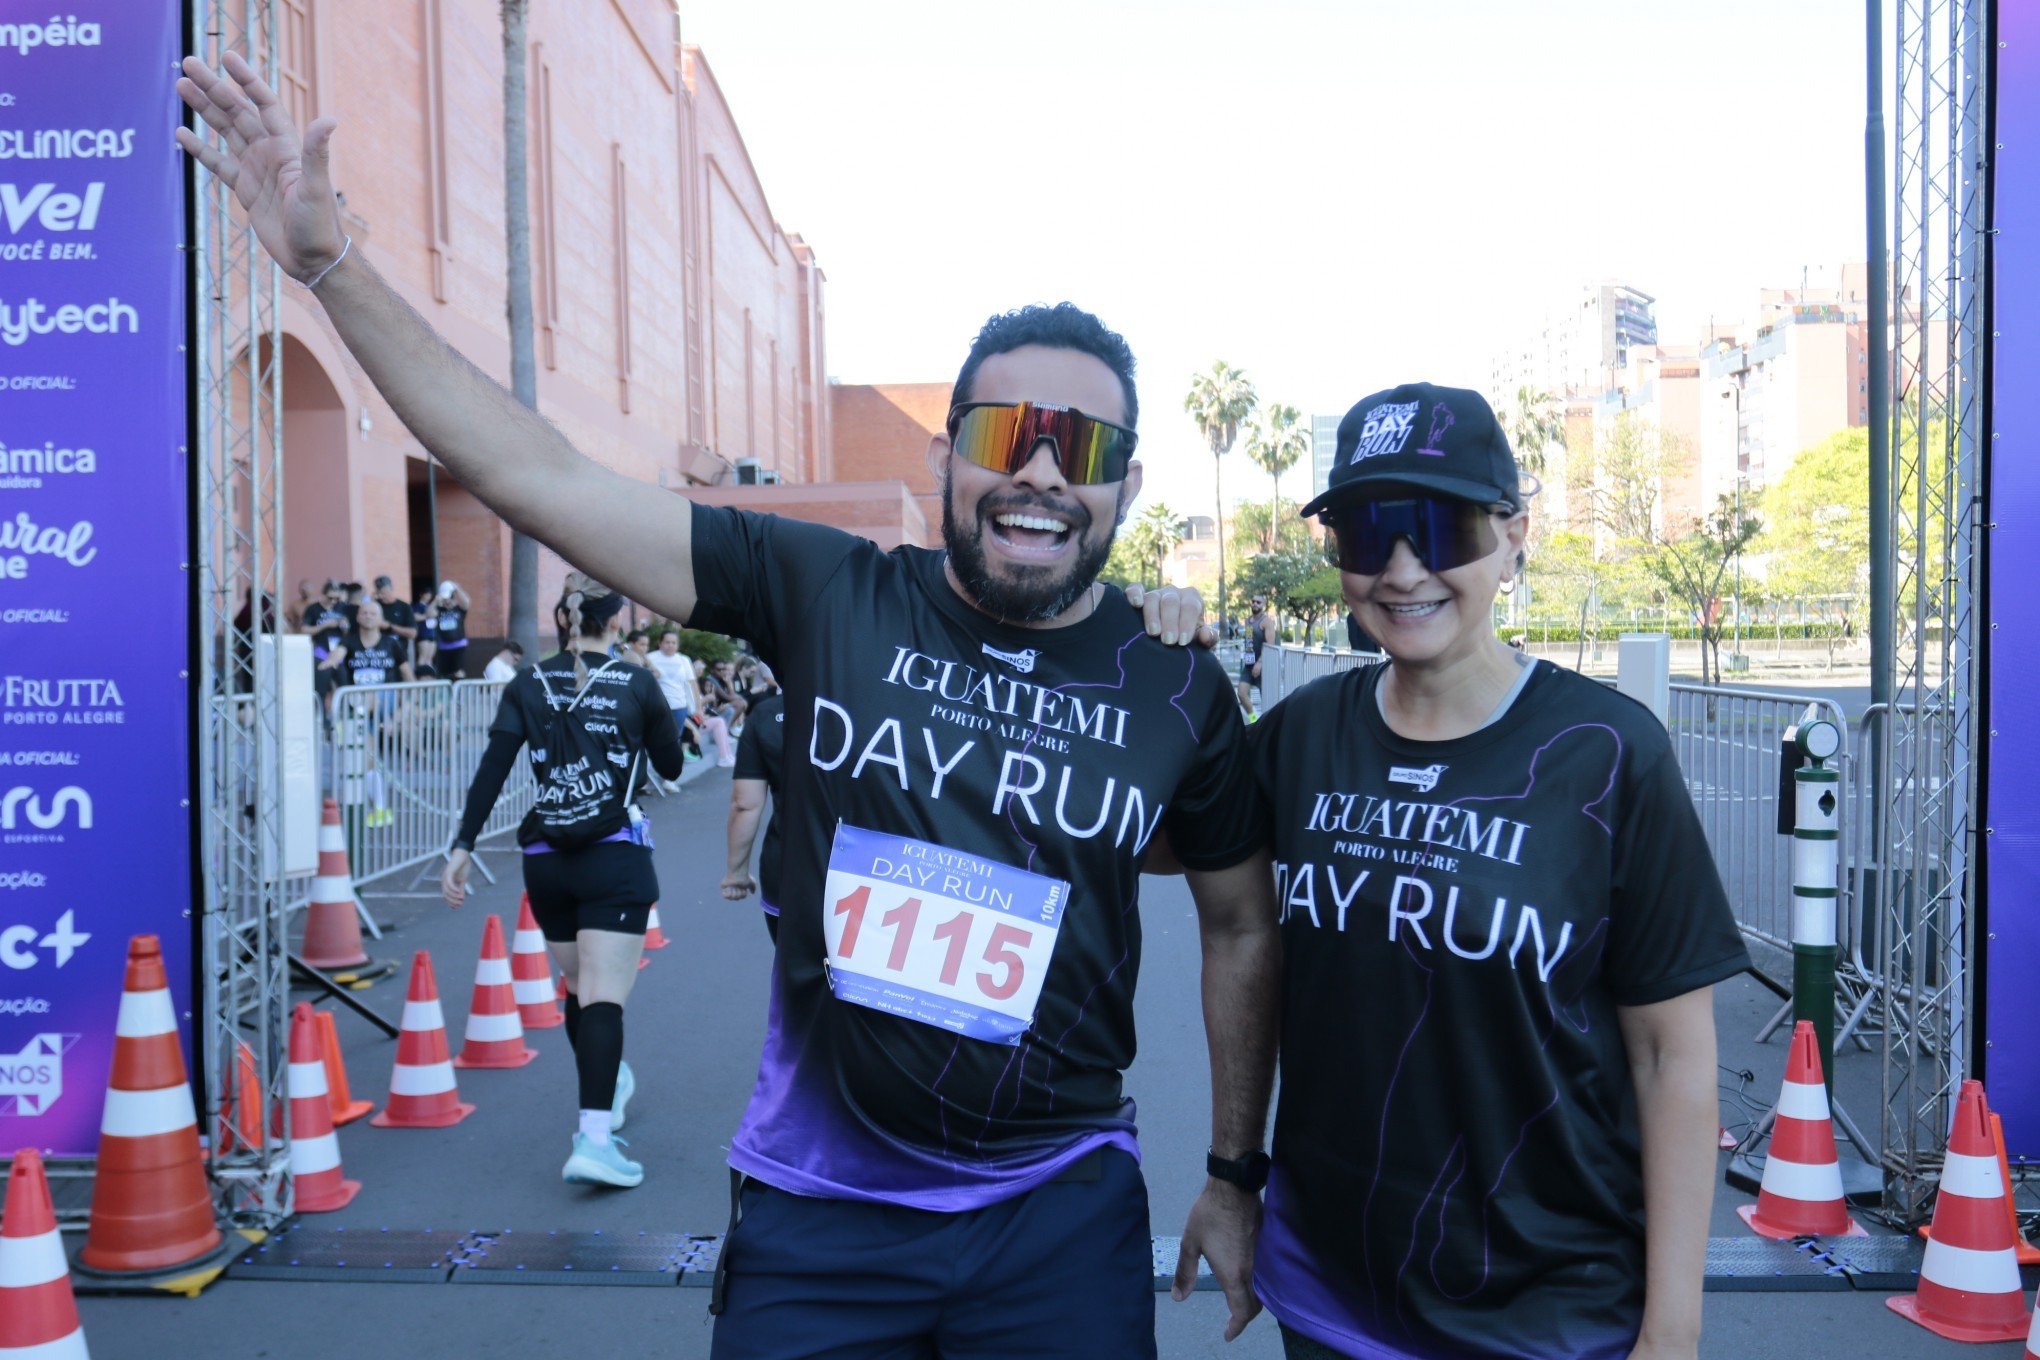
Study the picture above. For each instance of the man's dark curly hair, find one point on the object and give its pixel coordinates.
(1063, 326)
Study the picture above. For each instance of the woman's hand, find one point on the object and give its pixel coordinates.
(453, 881)
(1174, 615)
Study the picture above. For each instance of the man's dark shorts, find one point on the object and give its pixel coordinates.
(1066, 1269)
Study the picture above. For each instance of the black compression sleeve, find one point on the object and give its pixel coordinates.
(496, 764)
(668, 759)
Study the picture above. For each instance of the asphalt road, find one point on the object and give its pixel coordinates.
(694, 1029)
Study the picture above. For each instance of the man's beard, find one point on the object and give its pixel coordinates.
(1035, 595)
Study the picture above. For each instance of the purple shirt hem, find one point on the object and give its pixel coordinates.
(951, 1199)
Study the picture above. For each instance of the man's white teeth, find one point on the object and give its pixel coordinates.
(1032, 522)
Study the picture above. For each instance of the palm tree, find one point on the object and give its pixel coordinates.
(1277, 443)
(523, 622)
(1220, 402)
(1534, 426)
(1156, 531)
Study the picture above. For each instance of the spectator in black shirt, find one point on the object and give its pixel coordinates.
(396, 611)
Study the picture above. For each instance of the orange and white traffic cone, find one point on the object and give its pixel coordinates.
(38, 1316)
(241, 1111)
(422, 1090)
(321, 1186)
(655, 938)
(151, 1210)
(2028, 1254)
(495, 1035)
(1801, 1194)
(1969, 1279)
(2033, 1334)
(531, 973)
(332, 926)
(346, 1109)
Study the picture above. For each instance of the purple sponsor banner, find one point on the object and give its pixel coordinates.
(94, 607)
(2011, 960)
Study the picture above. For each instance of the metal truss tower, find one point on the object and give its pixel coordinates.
(1928, 742)
(244, 980)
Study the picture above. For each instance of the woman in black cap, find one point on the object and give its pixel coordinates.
(590, 722)
(1501, 925)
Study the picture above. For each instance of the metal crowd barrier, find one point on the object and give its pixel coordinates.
(1286, 669)
(1728, 743)
(398, 759)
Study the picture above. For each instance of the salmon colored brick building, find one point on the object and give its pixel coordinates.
(680, 329)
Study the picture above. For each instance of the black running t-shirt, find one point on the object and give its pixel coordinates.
(376, 663)
(762, 755)
(1056, 752)
(584, 792)
(1457, 1163)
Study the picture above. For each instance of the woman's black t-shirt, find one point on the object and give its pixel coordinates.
(1457, 1160)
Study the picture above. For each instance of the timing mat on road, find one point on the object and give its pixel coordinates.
(541, 1256)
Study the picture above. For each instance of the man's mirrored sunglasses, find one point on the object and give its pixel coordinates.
(1443, 532)
(1002, 436)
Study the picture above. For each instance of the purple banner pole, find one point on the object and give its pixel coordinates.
(2011, 960)
(95, 831)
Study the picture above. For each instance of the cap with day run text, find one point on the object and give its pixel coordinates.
(1421, 439)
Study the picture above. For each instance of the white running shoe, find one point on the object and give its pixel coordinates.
(601, 1164)
(626, 1087)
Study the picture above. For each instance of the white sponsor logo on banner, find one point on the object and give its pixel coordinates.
(22, 807)
(38, 699)
(33, 1080)
(15, 1007)
(25, 468)
(64, 31)
(23, 878)
(22, 538)
(18, 944)
(66, 144)
(21, 320)
(40, 205)
(35, 616)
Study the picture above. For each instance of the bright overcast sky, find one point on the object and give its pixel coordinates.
(1335, 195)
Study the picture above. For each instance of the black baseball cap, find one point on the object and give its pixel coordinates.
(1421, 439)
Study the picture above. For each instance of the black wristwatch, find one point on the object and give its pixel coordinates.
(1249, 1173)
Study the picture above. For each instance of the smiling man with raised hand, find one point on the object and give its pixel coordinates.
(939, 1156)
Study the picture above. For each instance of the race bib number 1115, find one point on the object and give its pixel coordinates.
(939, 936)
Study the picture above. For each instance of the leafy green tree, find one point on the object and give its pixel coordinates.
(1153, 534)
(1816, 539)
(1693, 565)
(1220, 402)
(1276, 443)
(1275, 527)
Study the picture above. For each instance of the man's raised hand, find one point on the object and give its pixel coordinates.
(282, 182)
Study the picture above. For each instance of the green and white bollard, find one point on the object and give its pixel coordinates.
(1816, 851)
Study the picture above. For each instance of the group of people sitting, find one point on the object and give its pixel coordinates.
(709, 698)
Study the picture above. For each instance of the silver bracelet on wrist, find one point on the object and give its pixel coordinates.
(346, 244)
